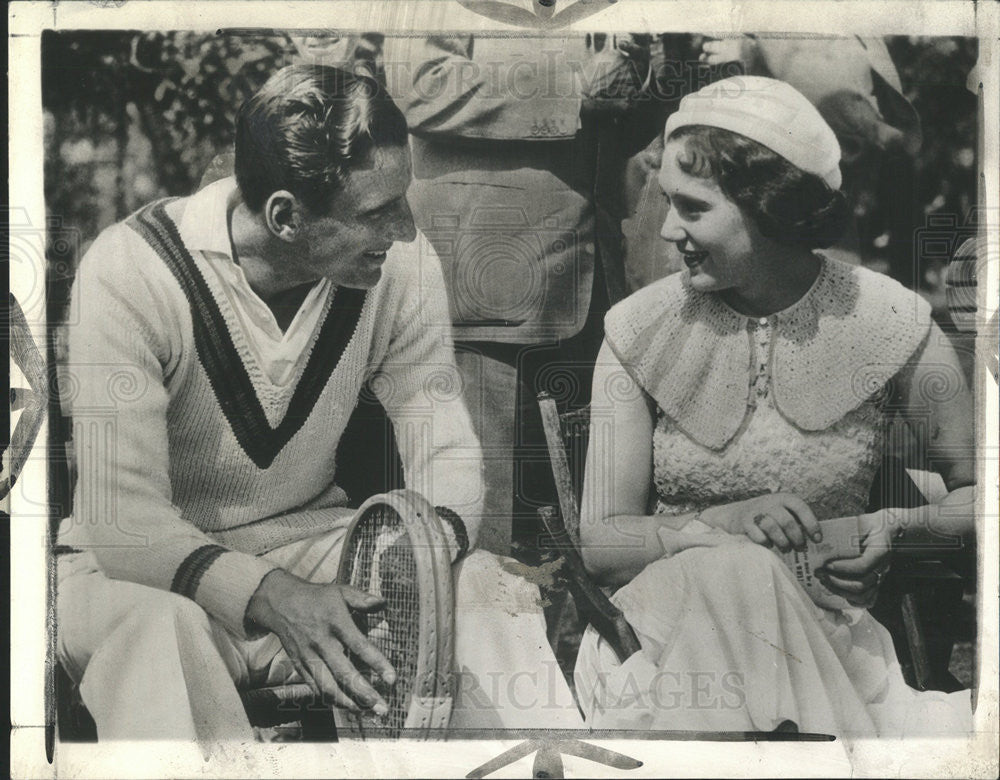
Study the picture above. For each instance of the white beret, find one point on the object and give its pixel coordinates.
(770, 112)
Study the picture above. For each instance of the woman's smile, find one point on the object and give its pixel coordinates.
(693, 259)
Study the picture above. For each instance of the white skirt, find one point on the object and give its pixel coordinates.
(731, 642)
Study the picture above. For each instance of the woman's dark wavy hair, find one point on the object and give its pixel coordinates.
(787, 204)
(306, 128)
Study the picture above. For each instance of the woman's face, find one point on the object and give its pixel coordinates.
(717, 242)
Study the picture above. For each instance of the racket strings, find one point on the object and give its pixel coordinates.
(383, 564)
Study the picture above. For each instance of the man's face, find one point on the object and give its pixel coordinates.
(348, 244)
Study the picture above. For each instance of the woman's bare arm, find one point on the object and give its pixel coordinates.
(618, 536)
(938, 407)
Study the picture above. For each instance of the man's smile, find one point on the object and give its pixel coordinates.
(377, 255)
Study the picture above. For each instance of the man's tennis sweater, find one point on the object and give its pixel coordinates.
(191, 462)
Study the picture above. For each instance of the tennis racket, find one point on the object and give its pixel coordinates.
(396, 549)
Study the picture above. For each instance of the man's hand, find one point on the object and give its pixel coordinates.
(858, 579)
(615, 77)
(719, 51)
(778, 519)
(314, 626)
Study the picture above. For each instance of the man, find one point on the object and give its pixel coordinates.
(519, 146)
(218, 345)
(332, 48)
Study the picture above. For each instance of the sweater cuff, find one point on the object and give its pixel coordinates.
(454, 531)
(222, 582)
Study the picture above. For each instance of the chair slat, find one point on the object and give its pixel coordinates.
(560, 466)
(562, 433)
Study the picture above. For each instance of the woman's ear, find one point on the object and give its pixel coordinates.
(283, 214)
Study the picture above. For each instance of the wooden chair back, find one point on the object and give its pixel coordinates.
(563, 525)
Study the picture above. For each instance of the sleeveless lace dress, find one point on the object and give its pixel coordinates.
(730, 640)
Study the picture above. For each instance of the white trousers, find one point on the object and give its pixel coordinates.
(153, 665)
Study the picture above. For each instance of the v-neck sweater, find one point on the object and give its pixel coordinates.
(192, 462)
(204, 226)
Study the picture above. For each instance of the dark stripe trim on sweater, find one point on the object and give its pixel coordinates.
(193, 568)
(226, 372)
(454, 519)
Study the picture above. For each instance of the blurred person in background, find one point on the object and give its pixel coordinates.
(350, 50)
(519, 146)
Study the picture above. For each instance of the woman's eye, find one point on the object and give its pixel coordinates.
(688, 208)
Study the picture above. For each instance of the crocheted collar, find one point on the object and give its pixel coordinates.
(832, 350)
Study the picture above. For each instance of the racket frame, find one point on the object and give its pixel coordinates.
(429, 708)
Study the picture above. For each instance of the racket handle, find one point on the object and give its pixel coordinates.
(590, 600)
(279, 704)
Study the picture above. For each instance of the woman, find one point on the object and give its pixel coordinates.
(737, 404)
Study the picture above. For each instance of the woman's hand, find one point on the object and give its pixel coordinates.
(858, 579)
(779, 519)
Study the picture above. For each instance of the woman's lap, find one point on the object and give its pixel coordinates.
(732, 642)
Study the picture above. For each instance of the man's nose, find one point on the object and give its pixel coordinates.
(403, 227)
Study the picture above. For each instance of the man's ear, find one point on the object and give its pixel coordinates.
(283, 215)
